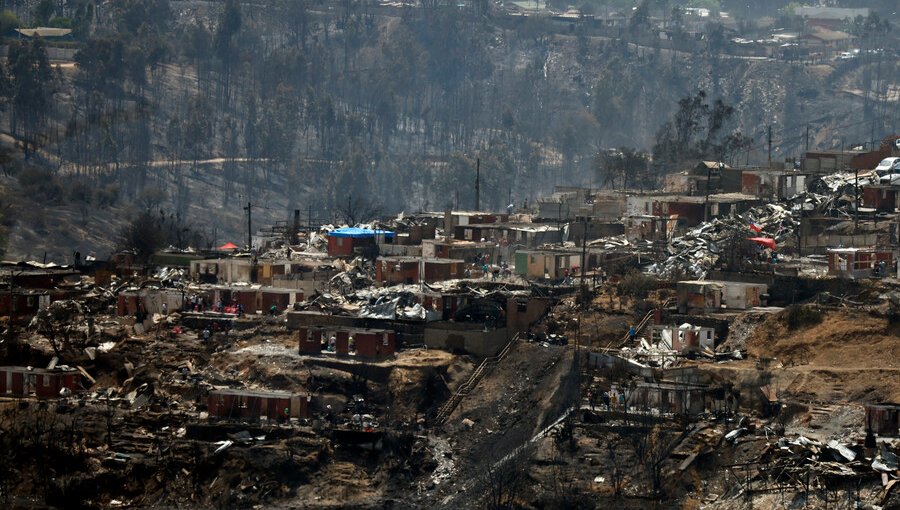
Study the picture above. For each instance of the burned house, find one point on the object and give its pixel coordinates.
(411, 270)
(552, 264)
(666, 397)
(523, 234)
(255, 405)
(23, 302)
(362, 342)
(148, 300)
(856, 263)
(291, 274)
(711, 296)
(352, 241)
(883, 419)
(469, 251)
(35, 276)
(882, 198)
(590, 229)
(705, 177)
(38, 382)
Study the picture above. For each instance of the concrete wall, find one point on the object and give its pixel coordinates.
(595, 230)
(819, 243)
(519, 320)
(470, 338)
(408, 332)
(399, 250)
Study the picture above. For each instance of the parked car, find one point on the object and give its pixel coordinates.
(888, 171)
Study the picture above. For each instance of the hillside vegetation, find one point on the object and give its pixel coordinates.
(192, 109)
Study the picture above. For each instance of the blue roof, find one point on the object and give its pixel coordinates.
(359, 232)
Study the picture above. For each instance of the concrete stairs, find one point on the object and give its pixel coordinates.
(467, 387)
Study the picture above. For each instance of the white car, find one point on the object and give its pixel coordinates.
(888, 171)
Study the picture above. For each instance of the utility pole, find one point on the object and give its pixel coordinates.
(559, 221)
(309, 224)
(583, 257)
(477, 184)
(249, 227)
(770, 146)
(873, 135)
(856, 201)
(807, 138)
(706, 200)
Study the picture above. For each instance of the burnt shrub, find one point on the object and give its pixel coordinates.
(636, 284)
(797, 316)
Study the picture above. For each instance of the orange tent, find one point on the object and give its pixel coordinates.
(228, 246)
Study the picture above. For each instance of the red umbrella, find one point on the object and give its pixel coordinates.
(228, 246)
(764, 241)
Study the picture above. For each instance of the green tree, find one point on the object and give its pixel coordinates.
(43, 12)
(8, 22)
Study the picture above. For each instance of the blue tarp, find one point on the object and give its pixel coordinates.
(359, 232)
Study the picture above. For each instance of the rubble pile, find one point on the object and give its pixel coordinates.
(353, 276)
(400, 305)
(697, 252)
(832, 195)
(791, 461)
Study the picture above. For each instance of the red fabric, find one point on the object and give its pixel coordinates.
(228, 246)
(764, 241)
(754, 227)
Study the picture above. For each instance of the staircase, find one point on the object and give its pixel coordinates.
(647, 318)
(466, 388)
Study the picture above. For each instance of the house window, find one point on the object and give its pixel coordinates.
(521, 306)
(339, 242)
(46, 381)
(533, 259)
(385, 341)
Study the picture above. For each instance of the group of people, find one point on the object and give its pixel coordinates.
(197, 303)
(609, 400)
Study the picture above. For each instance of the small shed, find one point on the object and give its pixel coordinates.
(683, 338)
(255, 405)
